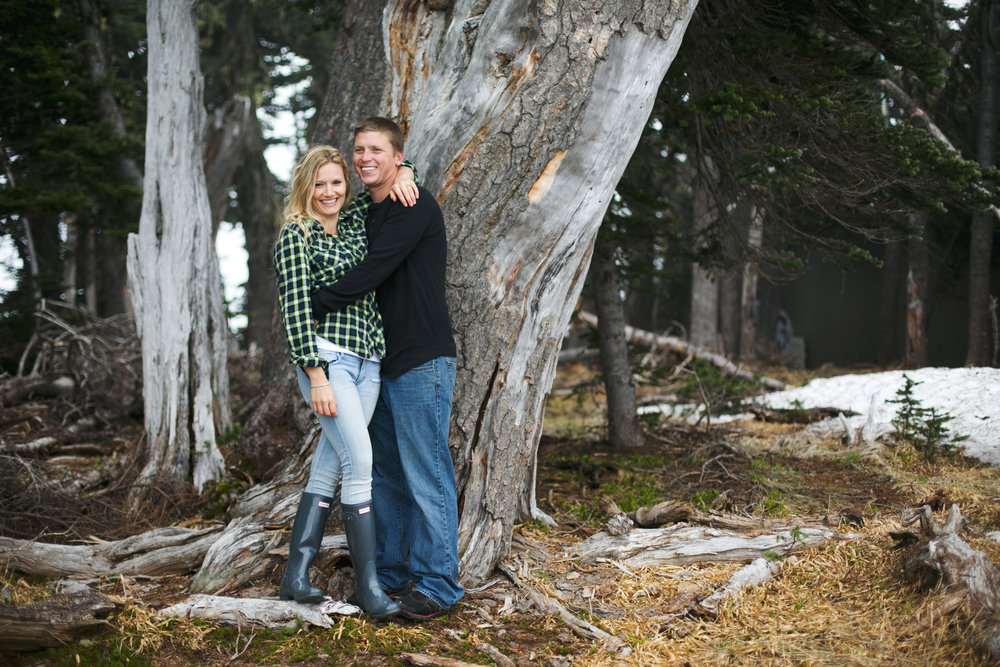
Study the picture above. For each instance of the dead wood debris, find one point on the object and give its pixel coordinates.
(257, 611)
(547, 605)
(683, 347)
(971, 581)
(52, 621)
(96, 364)
(171, 550)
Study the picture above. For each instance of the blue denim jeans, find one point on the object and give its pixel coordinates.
(414, 498)
(344, 446)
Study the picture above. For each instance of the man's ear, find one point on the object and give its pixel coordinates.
(398, 158)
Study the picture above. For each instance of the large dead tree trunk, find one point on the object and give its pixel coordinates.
(522, 116)
(172, 267)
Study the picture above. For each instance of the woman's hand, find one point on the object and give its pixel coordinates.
(404, 188)
(321, 396)
(324, 400)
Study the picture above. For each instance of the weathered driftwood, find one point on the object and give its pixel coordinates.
(53, 621)
(757, 572)
(674, 511)
(547, 605)
(257, 611)
(968, 575)
(235, 557)
(681, 346)
(246, 547)
(683, 544)
(171, 550)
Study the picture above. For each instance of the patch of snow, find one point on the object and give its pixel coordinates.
(971, 396)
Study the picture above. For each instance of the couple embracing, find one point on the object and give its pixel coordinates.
(361, 286)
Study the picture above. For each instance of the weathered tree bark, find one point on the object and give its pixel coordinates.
(682, 544)
(624, 430)
(266, 613)
(358, 80)
(526, 115)
(522, 117)
(917, 291)
(980, 348)
(242, 551)
(162, 551)
(54, 621)
(173, 270)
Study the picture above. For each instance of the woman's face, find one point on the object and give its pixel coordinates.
(329, 192)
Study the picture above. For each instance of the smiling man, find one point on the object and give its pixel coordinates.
(413, 476)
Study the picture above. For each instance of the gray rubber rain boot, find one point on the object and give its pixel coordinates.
(307, 534)
(359, 524)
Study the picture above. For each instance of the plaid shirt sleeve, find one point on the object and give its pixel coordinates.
(291, 262)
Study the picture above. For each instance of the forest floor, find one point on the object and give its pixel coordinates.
(845, 602)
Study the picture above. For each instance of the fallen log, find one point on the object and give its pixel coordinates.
(757, 572)
(242, 551)
(171, 550)
(685, 348)
(970, 579)
(683, 544)
(675, 511)
(54, 621)
(257, 611)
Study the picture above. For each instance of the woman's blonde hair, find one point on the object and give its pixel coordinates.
(298, 203)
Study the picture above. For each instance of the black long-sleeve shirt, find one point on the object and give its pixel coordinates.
(407, 257)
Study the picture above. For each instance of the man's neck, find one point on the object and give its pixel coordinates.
(380, 193)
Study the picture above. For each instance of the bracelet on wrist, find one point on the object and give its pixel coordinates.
(317, 386)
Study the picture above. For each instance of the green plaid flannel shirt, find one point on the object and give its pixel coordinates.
(306, 262)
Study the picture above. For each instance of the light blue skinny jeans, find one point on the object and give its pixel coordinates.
(344, 447)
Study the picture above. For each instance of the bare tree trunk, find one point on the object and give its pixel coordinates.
(704, 326)
(893, 267)
(917, 289)
(260, 209)
(522, 116)
(748, 297)
(979, 352)
(225, 144)
(358, 81)
(106, 275)
(624, 430)
(172, 267)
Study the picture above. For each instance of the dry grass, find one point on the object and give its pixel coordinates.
(845, 603)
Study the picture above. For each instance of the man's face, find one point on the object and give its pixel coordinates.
(375, 160)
